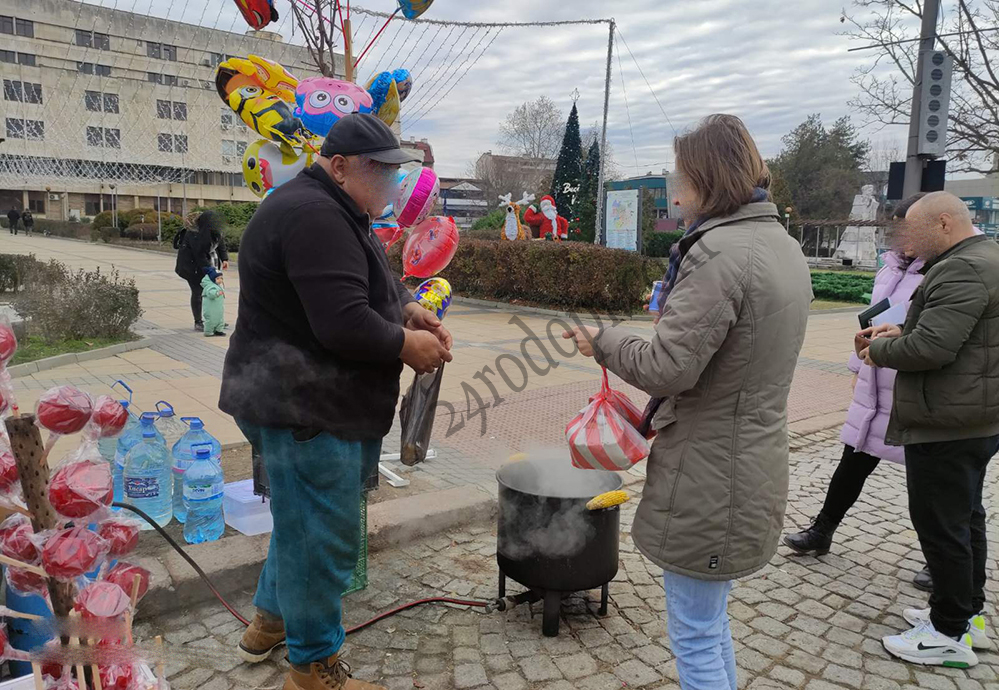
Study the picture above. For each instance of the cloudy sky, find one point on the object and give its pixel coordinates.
(772, 62)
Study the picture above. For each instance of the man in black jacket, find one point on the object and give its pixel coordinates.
(312, 378)
(12, 217)
(945, 412)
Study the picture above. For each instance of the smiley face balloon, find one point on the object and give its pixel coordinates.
(322, 101)
(267, 165)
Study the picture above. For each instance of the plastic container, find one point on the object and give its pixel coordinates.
(128, 439)
(27, 635)
(183, 457)
(203, 488)
(148, 477)
(245, 512)
(169, 424)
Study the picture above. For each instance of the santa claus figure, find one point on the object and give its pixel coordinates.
(548, 221)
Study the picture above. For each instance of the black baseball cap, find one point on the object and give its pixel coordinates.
(360, 134)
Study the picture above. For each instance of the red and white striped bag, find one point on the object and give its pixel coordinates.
(601, 438)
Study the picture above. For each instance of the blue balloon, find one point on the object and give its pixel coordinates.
(411, 9)
(403, 82)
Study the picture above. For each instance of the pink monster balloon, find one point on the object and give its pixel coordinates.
(417, 197)
(322, 101)
(430, 247)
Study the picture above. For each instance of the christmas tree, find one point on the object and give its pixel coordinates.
(569, 168)
(585, 211)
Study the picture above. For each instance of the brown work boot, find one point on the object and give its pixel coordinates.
(332, 674)
(262, 637)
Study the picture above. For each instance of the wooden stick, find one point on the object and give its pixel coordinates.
(23, 566)
(136, 581)
(11, 613)
(36, 671)
(96, 673)
(160, 665)
(74, 642)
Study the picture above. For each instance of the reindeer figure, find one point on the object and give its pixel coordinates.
(512, 227)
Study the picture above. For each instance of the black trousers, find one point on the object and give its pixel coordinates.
(847, 482)
(195, 298)
(945, 483)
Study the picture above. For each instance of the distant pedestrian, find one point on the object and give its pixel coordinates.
(946, 414)
(12, 218)
(213, 302)
(195, 249)
(863, 434)
(29, 222)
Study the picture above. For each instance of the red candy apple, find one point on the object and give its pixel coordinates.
(109, 416)
(116, 677)
(64, 409)
(8, 470)
(16, 539)
(123, 575)
(102, 600)
(121, 533)
(79, 489)
(72, 552)
(8, 342)
(26, 583)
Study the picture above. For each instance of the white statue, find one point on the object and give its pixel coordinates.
(858, 242)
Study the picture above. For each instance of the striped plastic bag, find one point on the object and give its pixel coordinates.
(601, 437)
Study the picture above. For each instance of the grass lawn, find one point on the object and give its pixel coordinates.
(825, 304)
(34, 347)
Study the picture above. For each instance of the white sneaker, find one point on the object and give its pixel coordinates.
(979, 636)
(924, 645)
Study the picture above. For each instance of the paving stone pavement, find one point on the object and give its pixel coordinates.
(800, 623)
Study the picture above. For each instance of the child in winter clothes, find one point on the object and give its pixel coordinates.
(213, 302)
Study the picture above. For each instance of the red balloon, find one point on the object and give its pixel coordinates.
(16, 539)
(72, 552)
(64, 409)
(80, 488)
(121, 533)
(102, 600)
(109, 416)
(123, 574)
(388, 232)
(430, 247)
(8, 343)
(8, 470)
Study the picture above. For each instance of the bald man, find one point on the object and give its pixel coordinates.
(946, 414)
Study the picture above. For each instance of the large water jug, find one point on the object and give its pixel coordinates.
(128, 439)
(147, 476)
(169, 423)
(183, 457)
(108, 445)
(203, 485)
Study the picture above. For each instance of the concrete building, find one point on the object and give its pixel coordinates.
(464, 200)
(101, 102)
(513, 174)
(657, 184)
(423, 146)
(982, 196)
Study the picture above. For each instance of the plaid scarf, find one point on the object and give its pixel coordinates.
(676, 255)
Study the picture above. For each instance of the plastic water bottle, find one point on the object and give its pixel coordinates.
(128, 440)
(147, 476)
(203, 484)
(169, 424)
(183, 457)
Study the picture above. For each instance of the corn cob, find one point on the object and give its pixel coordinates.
(608, 500)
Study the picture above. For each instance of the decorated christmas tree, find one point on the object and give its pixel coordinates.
(584, 213)
(569, 168)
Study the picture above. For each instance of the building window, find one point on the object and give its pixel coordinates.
(104, 136)
(170, 80)
(112, 138)
(228, 148)
(207, 85)
(217, 58)
(26, 59)
(35, 129)
(111, 103)
(102, 41)
(240, 149)
(95, 136)
(92, 99)
(7, 25)
(32, 93)
(180, 143)
(8, 56)
(163, 110)
(23, 27)
(165, 143)
(12, 90)
(36, 206)
(228, 121)
(154, 50)
(84, 38)
(170, 53)
(154, 77)
(85, 67)
(91, 208)
(15, 128)
(180, 111)
(103, 70)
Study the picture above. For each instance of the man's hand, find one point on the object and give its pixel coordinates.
(885, 330)
(423, 351)
(583, 335)
(225, 265)
(419, 319)
(865, 357)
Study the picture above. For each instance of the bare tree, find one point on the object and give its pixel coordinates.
(970, 36)
(498, 176)
(881, 154)
(318, 33)
(533, 130)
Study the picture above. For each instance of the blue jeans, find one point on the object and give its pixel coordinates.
(697, 622)
(316, 503)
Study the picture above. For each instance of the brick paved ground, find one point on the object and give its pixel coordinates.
(800, 623)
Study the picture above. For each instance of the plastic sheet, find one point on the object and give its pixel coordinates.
(82, 484)
(17, 540)
(121, 533)
(416, 416)
(72, 552)
(102, 599)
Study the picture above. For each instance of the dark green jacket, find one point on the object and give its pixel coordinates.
(947, 357)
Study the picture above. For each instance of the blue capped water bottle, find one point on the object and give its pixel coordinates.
(126, 442)
(147, 474)
(203, 485)
(183, 457)
(169, 424)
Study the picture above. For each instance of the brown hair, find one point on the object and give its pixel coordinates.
(720, 160)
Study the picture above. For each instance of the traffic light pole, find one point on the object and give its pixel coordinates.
(913, 163)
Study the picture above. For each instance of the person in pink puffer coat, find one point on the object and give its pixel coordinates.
(863, 434)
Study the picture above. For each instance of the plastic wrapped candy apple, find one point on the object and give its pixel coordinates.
(102, 600)
(123, 575)
(8, 341)
(17, 539)
(72, 552)
(108, 418)
(116, 677)
(82, 484)
(64, 410)
(121, 533)
(24, 582)
(8, 468)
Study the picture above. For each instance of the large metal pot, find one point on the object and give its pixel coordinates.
(547, 540)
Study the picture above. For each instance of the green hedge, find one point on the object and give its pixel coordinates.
(659, 243)
(846, 287)
(570, 276)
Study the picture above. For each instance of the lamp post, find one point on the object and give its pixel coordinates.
(787, 219)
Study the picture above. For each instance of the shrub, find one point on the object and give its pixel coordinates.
(102, 234)
(236, 215)
(140, 231)
(232, 237)
(492, 221)
(85, 304)
(565, 275)
(172, 224)
(62, 228)
(85, 220)
(102, 220)
(847, 287)
(659, 243)
(19, 271)
(135, 216)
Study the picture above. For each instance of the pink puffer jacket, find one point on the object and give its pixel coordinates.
(867, 418)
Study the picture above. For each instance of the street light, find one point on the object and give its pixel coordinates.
(787, 219)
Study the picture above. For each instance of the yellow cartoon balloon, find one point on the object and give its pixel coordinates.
(267, 165)
(262, 93)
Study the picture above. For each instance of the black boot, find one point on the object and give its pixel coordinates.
(815, 540)
(923, 580)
